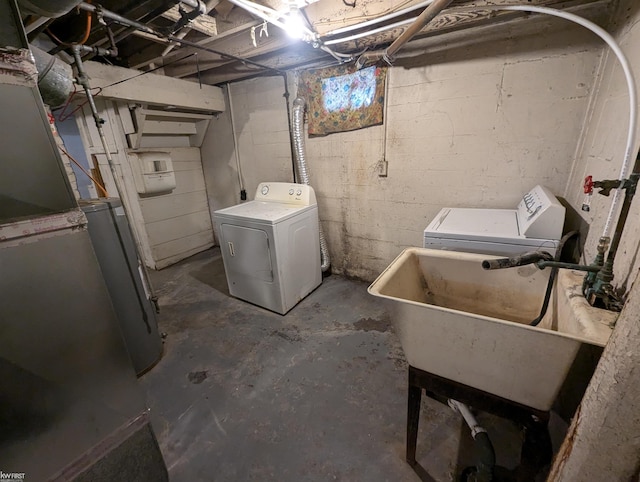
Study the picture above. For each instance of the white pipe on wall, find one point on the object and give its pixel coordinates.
(235, 140)
(629, 153)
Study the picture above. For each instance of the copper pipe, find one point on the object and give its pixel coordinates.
(423, 19)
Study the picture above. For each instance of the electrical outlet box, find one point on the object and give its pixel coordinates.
(382, 168)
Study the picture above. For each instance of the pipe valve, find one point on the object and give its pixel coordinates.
(587, 187)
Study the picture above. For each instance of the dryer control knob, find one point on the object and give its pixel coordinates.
(265, 190)
(291, 192)
(299, 192)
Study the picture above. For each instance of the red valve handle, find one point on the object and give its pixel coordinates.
(588, 185)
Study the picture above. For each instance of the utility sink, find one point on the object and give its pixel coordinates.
(469, 325)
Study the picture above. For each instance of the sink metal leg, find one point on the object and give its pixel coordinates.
(413, 419)
(536, 450)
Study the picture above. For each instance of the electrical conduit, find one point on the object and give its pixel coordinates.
(303, 173)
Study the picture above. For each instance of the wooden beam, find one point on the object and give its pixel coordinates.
(204, 23)
(284, 59)
(462, 17)
(152, 114)
(168, 128)
(153, 89)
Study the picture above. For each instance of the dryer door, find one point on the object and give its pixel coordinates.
(247, 251)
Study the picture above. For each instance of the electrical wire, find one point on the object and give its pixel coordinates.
(64, 115)
(100, 186)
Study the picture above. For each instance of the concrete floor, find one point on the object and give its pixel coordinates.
(319, 394)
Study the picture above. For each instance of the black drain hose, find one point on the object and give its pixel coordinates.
(552, 277)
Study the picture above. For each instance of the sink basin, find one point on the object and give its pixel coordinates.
(460, 322)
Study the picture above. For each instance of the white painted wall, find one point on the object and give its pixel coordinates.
(471, 126)
(603, 143)
(262, 130)
(178, 223)
(167, 227)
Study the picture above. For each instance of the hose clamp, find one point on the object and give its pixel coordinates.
(476, 430)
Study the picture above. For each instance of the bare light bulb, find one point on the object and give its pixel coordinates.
(295, 24)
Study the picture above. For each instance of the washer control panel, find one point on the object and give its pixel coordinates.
(286, 192)
(540, 214)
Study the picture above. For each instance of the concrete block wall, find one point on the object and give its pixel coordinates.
(262, 130)
(603, 143)
(474, 126)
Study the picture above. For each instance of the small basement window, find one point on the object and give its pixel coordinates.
(343, 98)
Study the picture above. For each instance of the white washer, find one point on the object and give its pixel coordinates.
(270, 246)
(535, 224)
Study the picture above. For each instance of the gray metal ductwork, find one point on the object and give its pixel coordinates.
(55, 77)
(47, 8)
(301, 165)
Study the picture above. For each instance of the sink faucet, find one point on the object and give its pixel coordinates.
(541, 259)
(597, 287)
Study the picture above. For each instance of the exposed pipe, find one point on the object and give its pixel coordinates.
(210, 5)
(485, 454)
(196, 4)
(629, 77)
(552, 278)
(368, 33)
(243, 192)
(83, 79)
(418, 24)
(286, 96)
(145, 28)
(520, 260)
(423, 19)
(303, 173)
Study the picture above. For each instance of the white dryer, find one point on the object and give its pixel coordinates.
(535, 224)
(270, 246)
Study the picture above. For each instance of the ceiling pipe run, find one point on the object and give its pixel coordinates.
(423, 19)
(210, 5)
(145, 28)
(369, 33)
